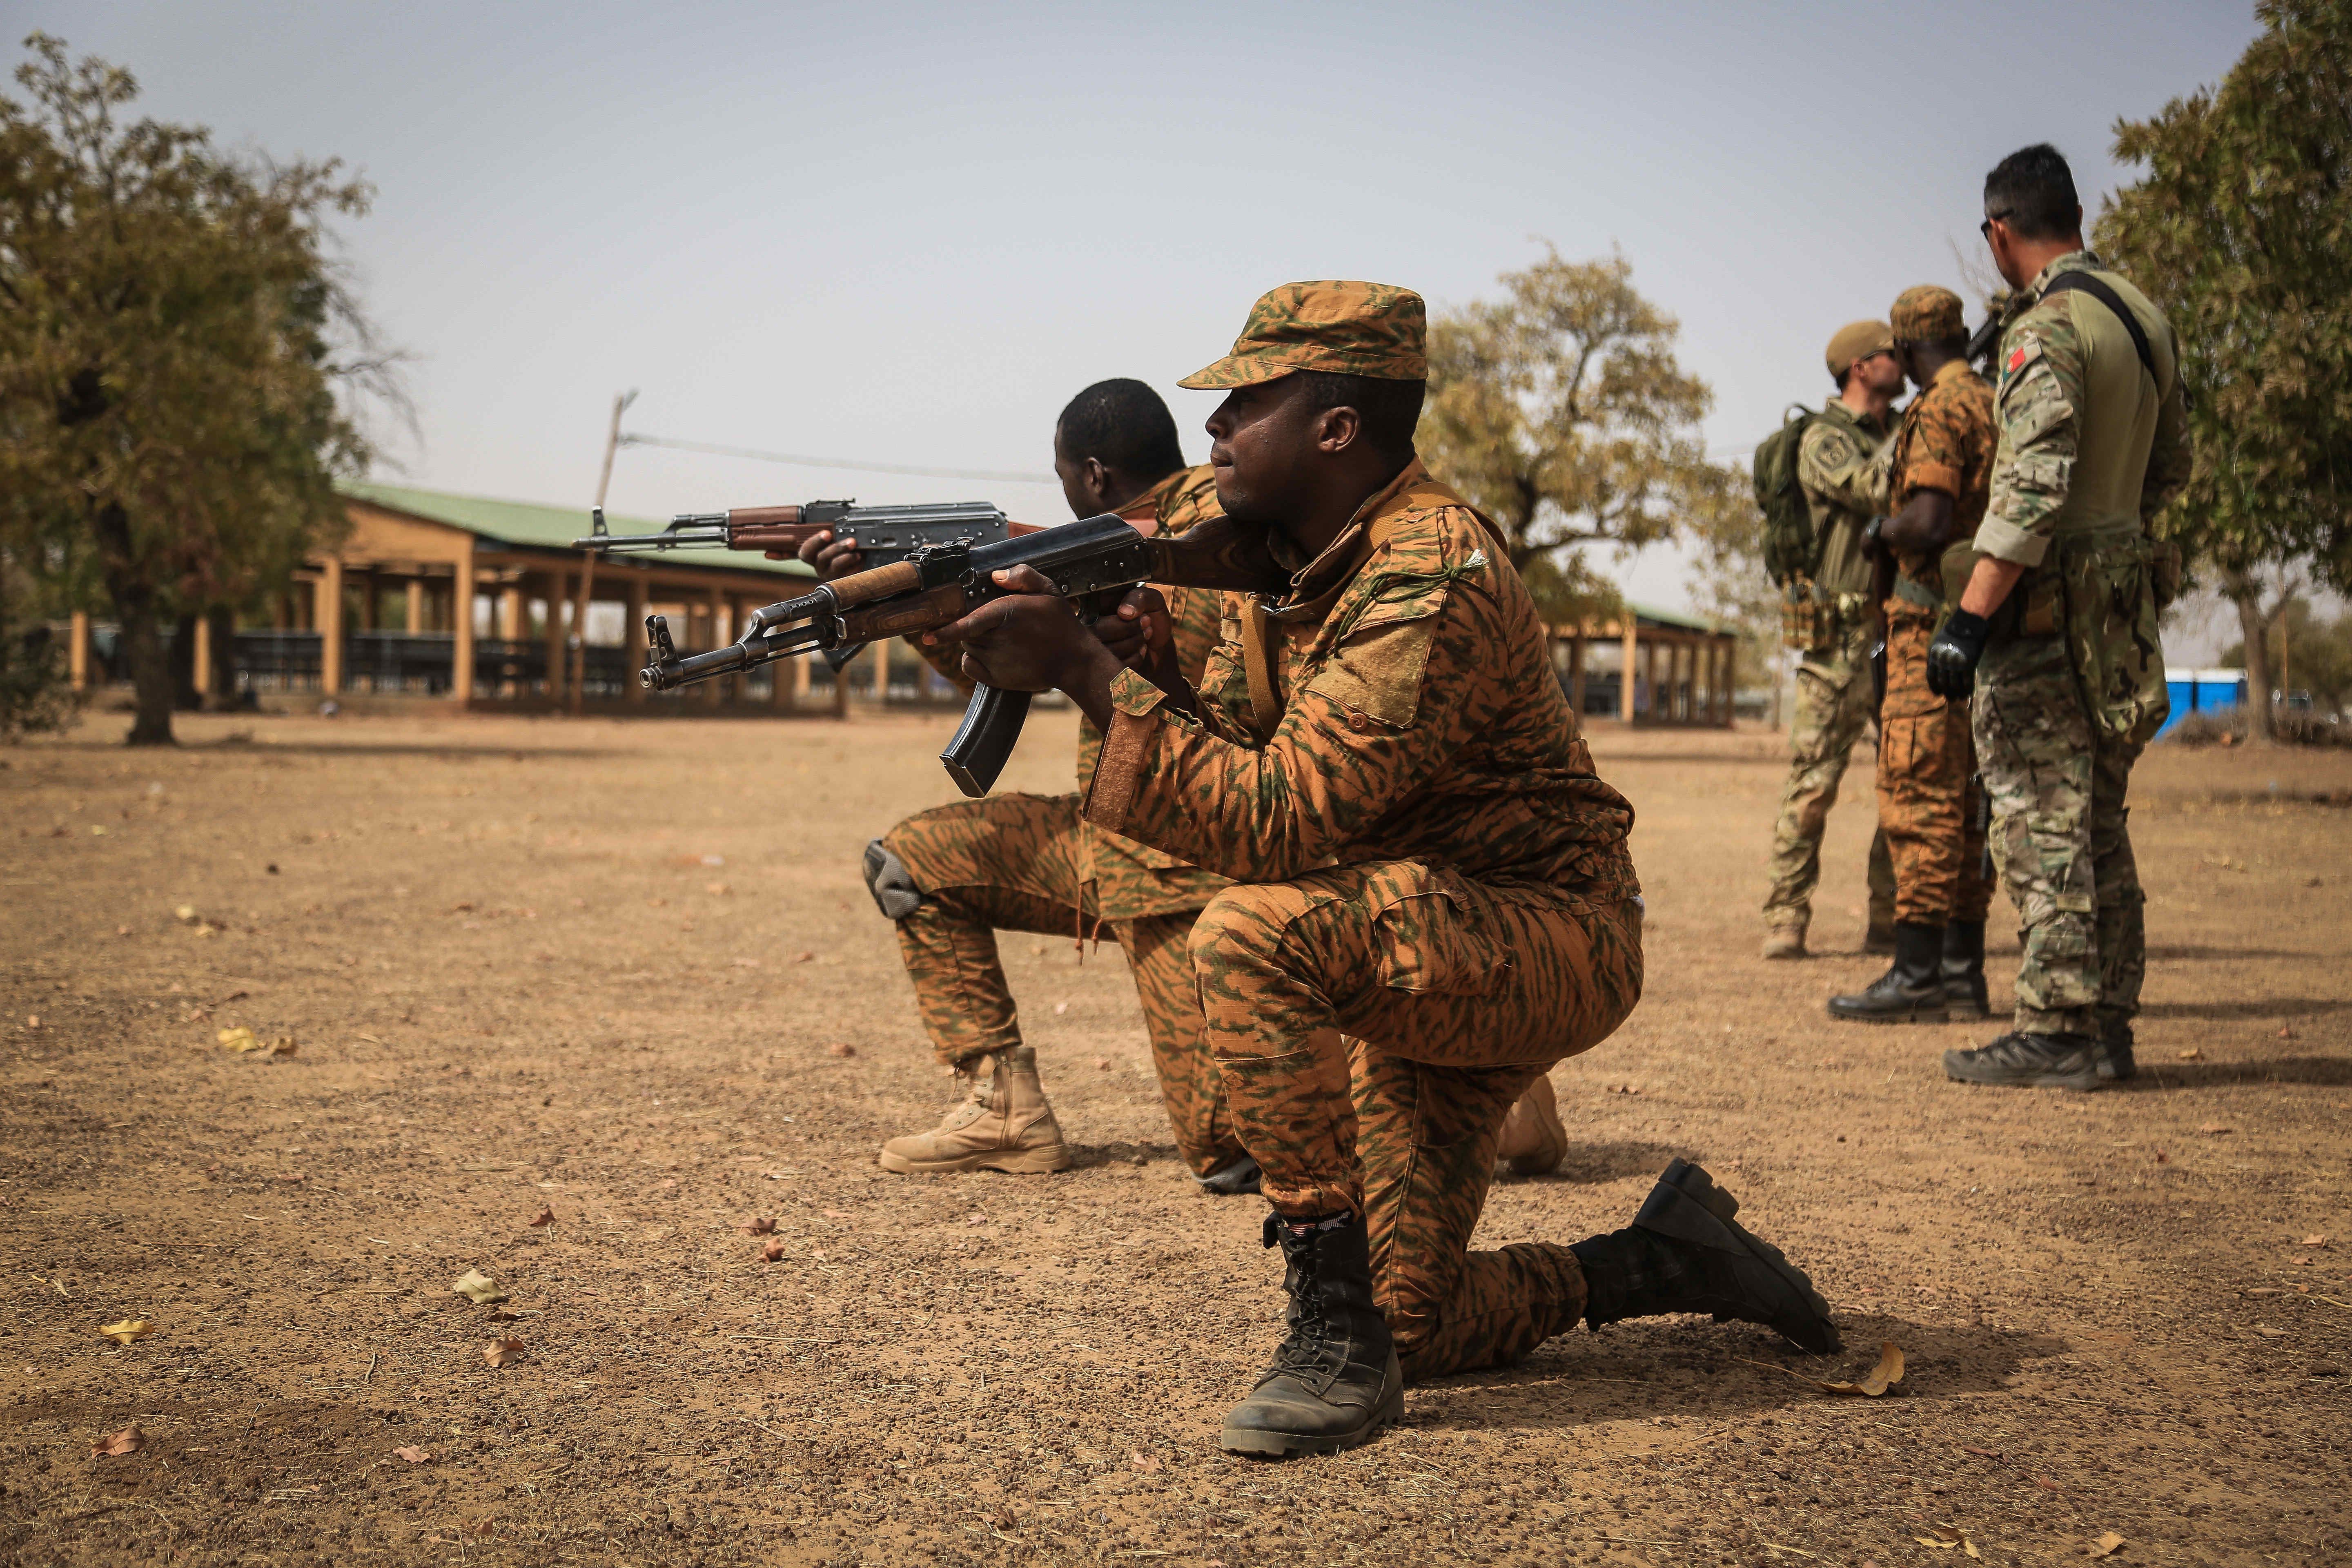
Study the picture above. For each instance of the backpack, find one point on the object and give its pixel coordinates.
(1789, 544)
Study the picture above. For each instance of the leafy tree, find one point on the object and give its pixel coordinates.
(1560, 411)
(2307, 654)
(170, 329)
(2242, 231)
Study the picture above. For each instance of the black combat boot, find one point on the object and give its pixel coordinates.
(2035, 1061)
(1335, 1382)
(2115, 1051)
(1684, 1253)
(1912, 992)
(1964, 980)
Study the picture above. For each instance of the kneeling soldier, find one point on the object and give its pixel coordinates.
(1426, 863)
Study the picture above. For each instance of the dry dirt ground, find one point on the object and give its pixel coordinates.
(626, 973)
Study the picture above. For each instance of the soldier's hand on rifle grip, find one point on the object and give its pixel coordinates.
(1952, 656)
(1029, 641)
(1138, 630)
(831, 557)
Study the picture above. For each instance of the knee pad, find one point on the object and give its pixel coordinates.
(894, 891)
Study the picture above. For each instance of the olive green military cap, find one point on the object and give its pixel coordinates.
(1353, 329)
(1857, 339)
(1927, 314)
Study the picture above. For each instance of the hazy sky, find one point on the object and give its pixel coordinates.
(909, 233)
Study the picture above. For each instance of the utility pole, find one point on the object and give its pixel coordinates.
(588, 571)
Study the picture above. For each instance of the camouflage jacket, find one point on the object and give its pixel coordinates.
(1421, 722)
(2087, 443)
(1945, 443)
(1842, 465)
(1132, 880)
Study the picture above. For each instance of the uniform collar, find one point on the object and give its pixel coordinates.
(1951, 370)
(1149, 506)
(1314, 587)
(1836, 409)
(2084, 260)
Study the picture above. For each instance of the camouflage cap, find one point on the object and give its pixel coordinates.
(1927, 314)
(1857, 339)
(1353, 329)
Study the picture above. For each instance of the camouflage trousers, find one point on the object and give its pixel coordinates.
(1375, 1025)
(1927, 806)
(1831, 709)
(1012, 862)
(2061, 839)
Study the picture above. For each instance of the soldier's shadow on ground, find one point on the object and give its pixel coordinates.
(1694, 1370)
(2331, 1072)
(2187, 952)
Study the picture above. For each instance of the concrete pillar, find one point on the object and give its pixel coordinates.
(202, 672)
(461, 621)
(415, 605)
(633, 638)
(1632, 663)
(510, 621)
(714, 692)
(552, 635)
(327, 602)
(78, 649)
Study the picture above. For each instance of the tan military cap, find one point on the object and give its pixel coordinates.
(1927, 314)
(1354, 329)
(1857, 339)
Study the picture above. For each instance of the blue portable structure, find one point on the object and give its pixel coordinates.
(2201, 691)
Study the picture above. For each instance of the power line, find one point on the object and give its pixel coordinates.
(995, 475)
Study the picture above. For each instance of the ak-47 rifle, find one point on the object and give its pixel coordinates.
(1090, 563)
(883, 534)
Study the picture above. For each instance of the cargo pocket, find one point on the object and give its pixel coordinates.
(1434, 933)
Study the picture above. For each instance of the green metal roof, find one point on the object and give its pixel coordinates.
(1674, 618)
(528, 523)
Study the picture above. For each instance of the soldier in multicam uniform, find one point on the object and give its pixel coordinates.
(2056, 634)
(1841, 465)
(1432, 901)
(1941, 468)
(953, 876)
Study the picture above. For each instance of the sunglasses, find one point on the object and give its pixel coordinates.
(1985, 229)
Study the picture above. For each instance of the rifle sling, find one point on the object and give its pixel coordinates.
(2097, 288)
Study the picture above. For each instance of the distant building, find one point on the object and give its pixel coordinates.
(472, 601)
(1683, 667)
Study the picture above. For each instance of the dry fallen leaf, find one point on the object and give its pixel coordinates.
(1884, 1376)
(805, 958)
(1143, 1461)
(1947, 1537)
(841, 1048)
(497, 1353)
(2107, 1546)
(130, 1329)
(2192, 1054)
(2215, 1129)
(414, 1455)
(546, 1216)
(238, 1039)
(2314, 1241)
(774, 1251)
(185, 914)
(283, 1046)
(477, 1287)
(763, 1226)
(129, 1440)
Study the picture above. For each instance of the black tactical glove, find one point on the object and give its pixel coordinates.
(1952, 656)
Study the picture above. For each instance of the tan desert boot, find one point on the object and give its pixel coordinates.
(1002, 1124)
(1787, 938)
(1534, 1143)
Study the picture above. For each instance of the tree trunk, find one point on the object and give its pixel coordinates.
(142, 644)
(185, 697)
(2245, 593)
(223, 672)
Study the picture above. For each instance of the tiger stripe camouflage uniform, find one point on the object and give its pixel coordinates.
(2071, 688)
(1839, 466)
(1028, 863)
(1433, 899)
(1925, 754)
